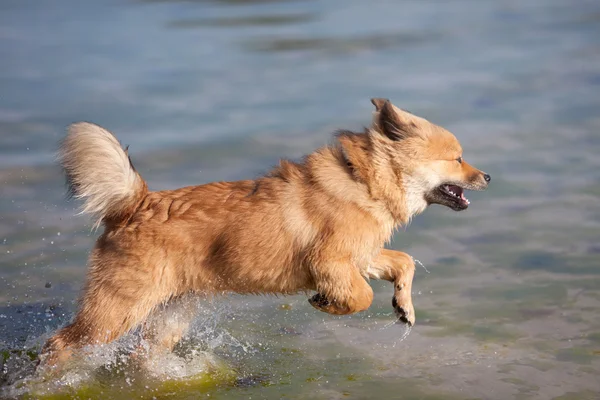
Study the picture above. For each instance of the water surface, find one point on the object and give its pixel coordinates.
(219, 90)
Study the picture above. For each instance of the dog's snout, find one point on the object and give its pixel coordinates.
(487, 177)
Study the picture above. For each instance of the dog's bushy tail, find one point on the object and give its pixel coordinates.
(100, 172)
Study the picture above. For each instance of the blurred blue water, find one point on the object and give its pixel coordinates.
(207, 90)
(173, 73)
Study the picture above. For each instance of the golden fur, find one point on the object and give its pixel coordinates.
(315, 225)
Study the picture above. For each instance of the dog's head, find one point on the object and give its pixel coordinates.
(427, 158)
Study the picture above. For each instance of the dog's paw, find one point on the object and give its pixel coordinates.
(322, 303)
(405, 312)
(319, 301)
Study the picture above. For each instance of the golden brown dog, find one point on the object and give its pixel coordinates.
(316, 225)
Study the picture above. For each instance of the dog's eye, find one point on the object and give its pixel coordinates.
(459, 159)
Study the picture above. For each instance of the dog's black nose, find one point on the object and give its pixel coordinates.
(487, 177)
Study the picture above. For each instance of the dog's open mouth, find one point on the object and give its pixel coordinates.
(455, 193)
(450, 195)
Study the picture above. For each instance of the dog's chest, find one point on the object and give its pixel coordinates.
(365, 248)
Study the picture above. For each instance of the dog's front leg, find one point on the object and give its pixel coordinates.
(341, 289)
(399, 268)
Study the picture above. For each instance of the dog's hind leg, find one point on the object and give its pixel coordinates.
(115, 301)
(399, 268)
(169, 323)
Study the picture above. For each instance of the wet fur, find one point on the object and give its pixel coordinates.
(315, 225)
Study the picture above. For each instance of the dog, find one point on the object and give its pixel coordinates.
(315, 225)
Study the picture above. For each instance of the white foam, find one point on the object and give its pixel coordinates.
(131, 357)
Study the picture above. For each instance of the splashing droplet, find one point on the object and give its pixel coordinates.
(421, 264)
(408, 328)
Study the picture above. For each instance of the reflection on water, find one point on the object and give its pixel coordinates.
(219, 90)
(252, 20)
(348, 44)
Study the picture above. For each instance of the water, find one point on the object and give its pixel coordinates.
(219, 90)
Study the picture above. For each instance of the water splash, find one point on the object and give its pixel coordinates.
(407, 329)
(131, 364)
(388, 325)
(421, 264)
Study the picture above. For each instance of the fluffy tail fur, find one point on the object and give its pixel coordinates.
(100, 172)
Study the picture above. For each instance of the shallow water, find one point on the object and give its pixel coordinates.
(219, 90)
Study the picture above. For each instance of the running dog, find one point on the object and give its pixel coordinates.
(315, 225)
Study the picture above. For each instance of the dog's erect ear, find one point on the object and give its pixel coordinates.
(390, 122)
(378, 103)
